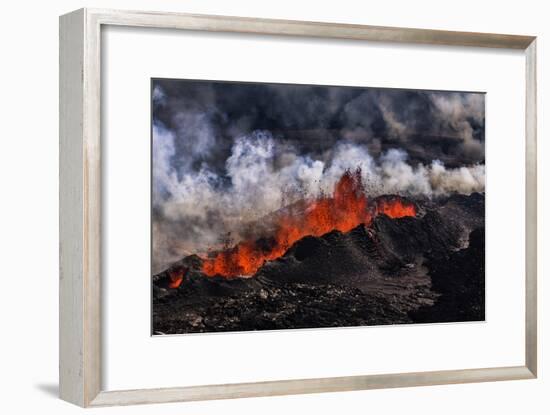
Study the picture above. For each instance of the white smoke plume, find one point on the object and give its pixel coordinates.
(193, 209)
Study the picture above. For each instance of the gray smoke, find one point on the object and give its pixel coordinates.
(207, 117)
(194, 205)
(227, 154)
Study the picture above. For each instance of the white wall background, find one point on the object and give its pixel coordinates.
(28, 211)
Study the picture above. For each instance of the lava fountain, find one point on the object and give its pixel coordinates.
(345, 209)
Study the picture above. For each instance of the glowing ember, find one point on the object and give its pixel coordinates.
(347, 208)
(395, 208)
(176, 278)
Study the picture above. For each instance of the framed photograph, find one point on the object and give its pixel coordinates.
(287, 206)
(308, 207)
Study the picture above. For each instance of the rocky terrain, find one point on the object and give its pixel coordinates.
(417, 269)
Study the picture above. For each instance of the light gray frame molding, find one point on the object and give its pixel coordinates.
(80, 206)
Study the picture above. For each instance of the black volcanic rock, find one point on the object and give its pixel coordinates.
(292, 305)
(331, 258)
(461, 283)
(408, 237)
(427, 268)
(464, 211)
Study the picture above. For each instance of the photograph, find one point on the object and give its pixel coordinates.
(285, 206)
(262, 208)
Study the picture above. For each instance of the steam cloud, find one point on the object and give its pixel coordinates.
(214, 171)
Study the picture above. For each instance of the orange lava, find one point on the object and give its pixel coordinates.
(347, 208)
(395, 208)
(176, 278)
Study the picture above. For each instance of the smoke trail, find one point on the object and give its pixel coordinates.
(193, 208)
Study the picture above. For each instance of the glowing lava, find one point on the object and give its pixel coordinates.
(347, 208)
(395, 208)
(176, 278)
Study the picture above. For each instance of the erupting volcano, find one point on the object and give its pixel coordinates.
(285, 206)
(345, 209)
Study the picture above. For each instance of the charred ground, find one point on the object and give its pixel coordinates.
(427, 268)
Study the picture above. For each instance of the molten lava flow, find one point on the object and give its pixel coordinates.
(347, 208)
(395, 208)
(176, 278)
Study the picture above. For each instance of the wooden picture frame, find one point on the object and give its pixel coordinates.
(80, 206)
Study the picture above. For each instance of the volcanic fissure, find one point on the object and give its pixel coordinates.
(344, 210)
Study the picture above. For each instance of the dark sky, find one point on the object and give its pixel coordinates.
(207, 116)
